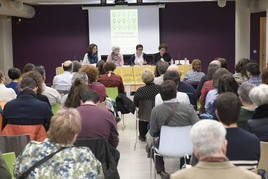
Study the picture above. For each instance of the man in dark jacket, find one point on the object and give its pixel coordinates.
(26, 109)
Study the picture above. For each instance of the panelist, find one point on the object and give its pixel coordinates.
(139, 58)
(91, 57)
(116, 57)
(162, 54)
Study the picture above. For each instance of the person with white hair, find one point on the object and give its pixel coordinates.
(116, 57)
(247, 108)
(210, 147)
(259, 122)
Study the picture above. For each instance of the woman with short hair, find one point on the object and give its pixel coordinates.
(116, 57)
(93, 73)
(147, 92)
(259, 122)
(240, 71)
(67, 161)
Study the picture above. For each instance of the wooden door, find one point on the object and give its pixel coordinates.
(262, 43)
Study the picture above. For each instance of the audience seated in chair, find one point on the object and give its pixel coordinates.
(207, 85)
(160, 70)
(53, 95)
(223, 61)
(14, 75)
(28, 67)
(92, 73)
(79, 75)
(27, 112)
(74, 96)
(210, 146)
(6, 94)
(208, 76)
(181, 114)
(39, 81)
(185, 88)
(62, 82)
(243, 148)
(110, 79)
(258, 124)
(69, 161)
(96, 121)
(240, 75)
(247, 108)
(195, 75)
(225, 83)
(144, 99)
(253, 73)
(181, 97)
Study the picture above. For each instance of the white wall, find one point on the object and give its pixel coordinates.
(242, 29)
(6, 51)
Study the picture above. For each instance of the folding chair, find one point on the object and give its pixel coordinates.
(263, 164)
(14, 143)
(55, 108)
(175, 142)
(112, 93)
(9, 159)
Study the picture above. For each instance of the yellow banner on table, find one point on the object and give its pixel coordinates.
(138, 70)
(184, 69)
(127, 75)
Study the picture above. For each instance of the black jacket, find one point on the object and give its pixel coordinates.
(259, 123)
(124, 104)
(166, 57)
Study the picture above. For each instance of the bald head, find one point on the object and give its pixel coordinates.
(174, 68)
(68, 65)
(216, 62)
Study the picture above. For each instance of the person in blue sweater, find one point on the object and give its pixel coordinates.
(14, 75)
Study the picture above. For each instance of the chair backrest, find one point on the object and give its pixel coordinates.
(55, 108)
(9, 158)
(112, 92)
(263, 163)
(13, 143)
(36, 132)
(145, 109)
(104, 152)
(175, 141)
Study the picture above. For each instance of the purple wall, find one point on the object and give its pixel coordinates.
(56, 33)
(192, 30)
(255, 35)
(199, 30)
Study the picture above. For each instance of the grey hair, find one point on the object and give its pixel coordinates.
(207, 137)
(259, 95)
(244, 90)
(161, 67)
(115, 48)
(147, 76)
(80, 75)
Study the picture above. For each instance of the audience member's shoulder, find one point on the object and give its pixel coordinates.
(246, 174)
(248, 134)
(183, 174)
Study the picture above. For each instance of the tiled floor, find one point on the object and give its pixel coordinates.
(134, 164)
